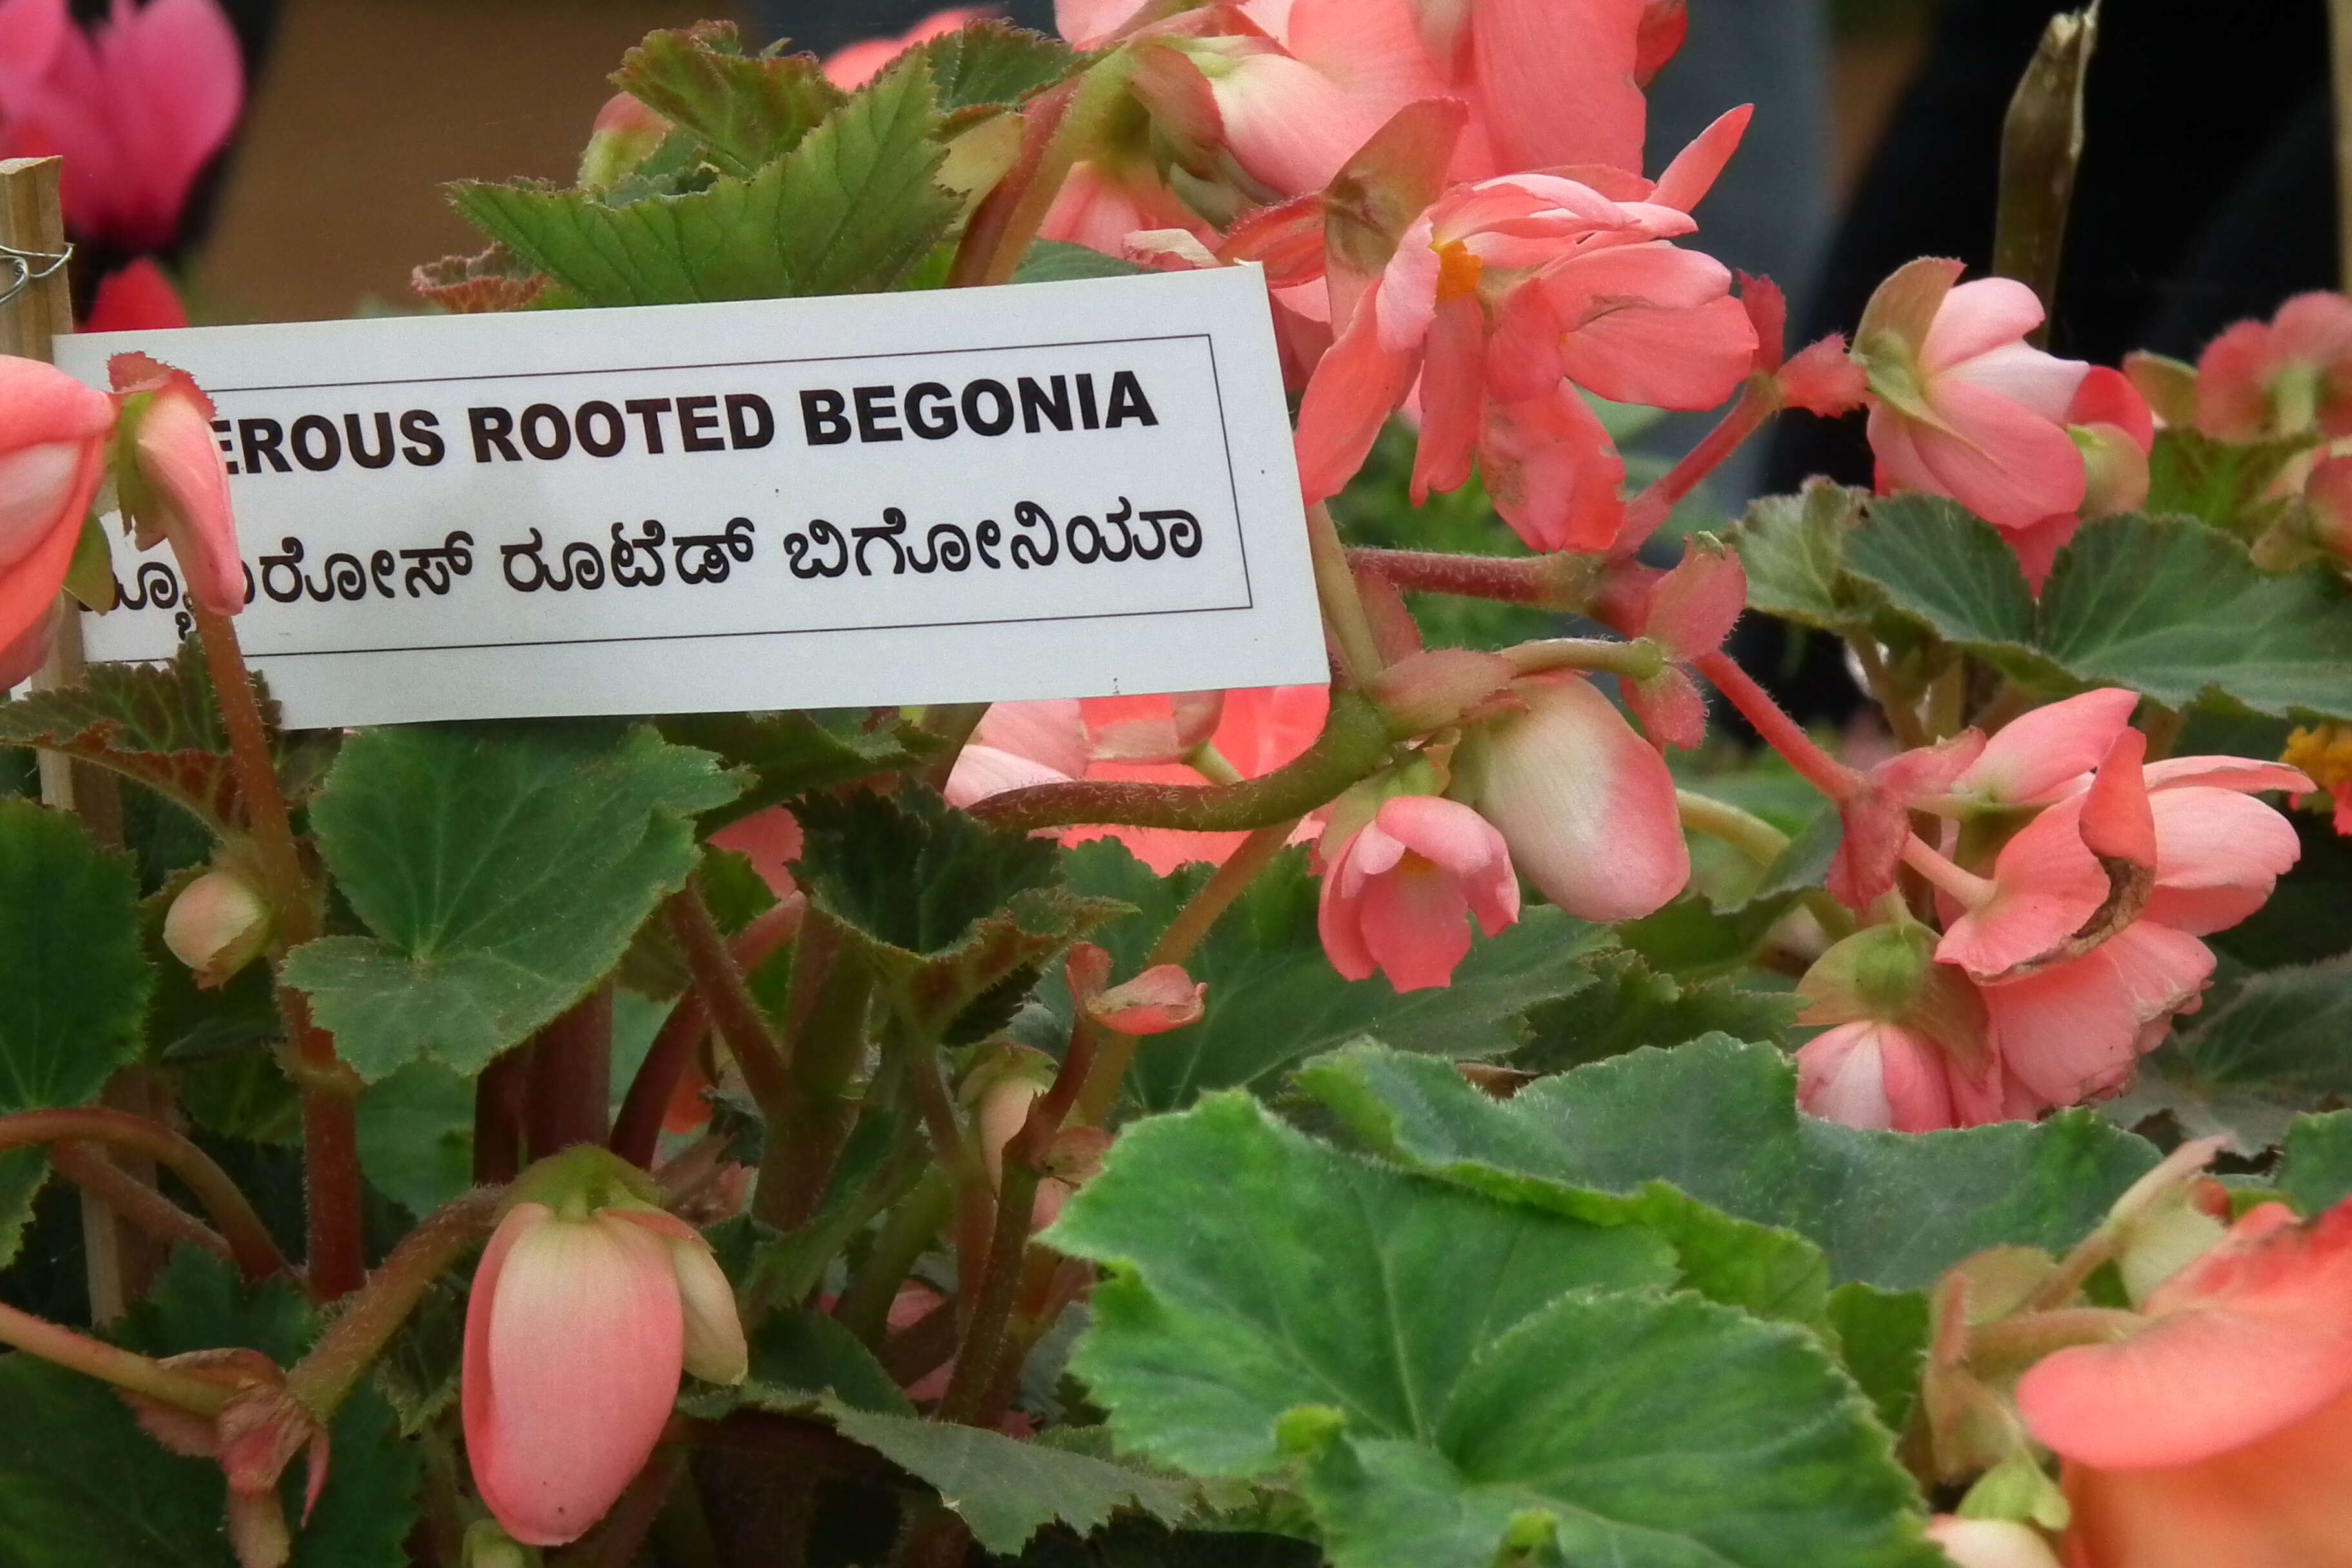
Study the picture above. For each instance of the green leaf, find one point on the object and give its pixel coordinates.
(1691, 937)
(1059, 261)
(851, 209)
(1634, 1005)
(160, 725)
(1629, 1429)
(2223, 483)
(2317, 1172)
(1136, 1542)
(502, 872)
(81, 1485)
(1006, 1490)
(2247, 1065)
(1448, 1365)
(416, 1136)
(2173, 609)
(1794, 551)
(993, 64)
(74, 980)
(1883, 1340)
(1937, 560)
(1254, 1271)
(798, 1358)
(945, 909)
(791, 755)
(747, 112)
(1717, 1119)
(1275, 1000)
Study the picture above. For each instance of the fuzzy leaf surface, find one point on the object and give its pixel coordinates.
(2316, 1171)
(992, 64)
(2243, 1069)
(747, 111)
(502, 872)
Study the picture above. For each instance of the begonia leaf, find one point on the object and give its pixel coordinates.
(1502, 1372)
(1939, 562)
(2242, 1067)
(1717, 1119)
(502, 872)
(747, 111)
(2224, 483)
(1631, 1005)
(2315, 1172)
(791, 753)
(993, 64)
(1882, 1338)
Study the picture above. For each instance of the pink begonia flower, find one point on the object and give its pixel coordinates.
(1876, 818)
(1960, 404)
(1690, 611)
(1876, 1075)
(137, 109)
(1019, 744)
(1503, 300)
(1400, 891)
(1990, 1543)
(2222, 1432)
(575, 1332)
(53, 434)
(1586, 806)
(135, 299)
(2046, 752)
(853, 66)
(1160, 999)
(2115, 429)
(2259, 380)
(1101, 204)
(173, 480)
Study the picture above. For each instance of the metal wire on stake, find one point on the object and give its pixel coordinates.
(22, 262)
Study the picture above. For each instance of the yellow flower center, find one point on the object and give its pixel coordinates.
(2324, 752)
(1458, 272)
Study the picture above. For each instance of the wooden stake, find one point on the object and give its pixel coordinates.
(2339, 26)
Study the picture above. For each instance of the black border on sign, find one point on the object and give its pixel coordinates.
(1225, 434)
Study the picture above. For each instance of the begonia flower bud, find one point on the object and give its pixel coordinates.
(52, 457)
(1399, 890)
(1586, 806)
(1990, 1543)
(174, 480)
(626, 134)
(588, 1303)
(219, 924)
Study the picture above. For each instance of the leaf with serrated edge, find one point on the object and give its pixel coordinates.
(790, 754)
(502, 872)
(1274, 998)
(2243, 1069)
(73, 981)
(992, 63)
(747, 111)
(1631, 1005)
(2315, 1172)
(1446, 1362)
(1940, 564)
(1718, 1119)
(1793, 548)
(1005, 1489)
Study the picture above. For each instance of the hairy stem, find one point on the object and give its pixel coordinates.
(1647, 512)
(865, 1307)
(1779, 731)
(1354, 744)
(359, 1333)
(135, 1200)
(124, 1369)
(248, 1240)
(1636, 660)
(1563, 582)
(1099, 1091)
(990, 1305)
(733, 1011)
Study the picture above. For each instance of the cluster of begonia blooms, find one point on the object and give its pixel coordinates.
(1448, 204)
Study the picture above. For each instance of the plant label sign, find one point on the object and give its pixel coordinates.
(1059, 490)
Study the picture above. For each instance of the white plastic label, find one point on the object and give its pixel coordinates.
(1059, 490)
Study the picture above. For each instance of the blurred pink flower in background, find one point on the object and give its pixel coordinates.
(2280, 377)
(860, 63)
(53, 433)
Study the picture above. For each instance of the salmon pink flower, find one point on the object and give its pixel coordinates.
(1908, 1041)
(1585, 804)
(2222, 1432)
(2115, 429)
(1399, 891)
(852, 67)
(1875, 818)
(2261, 381)
(580, 1320)
(1689, 612)
(53, 433)
(1960, 404)
(217, 925)
(174, 480)
(137, 109)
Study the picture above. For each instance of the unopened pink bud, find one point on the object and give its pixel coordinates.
(1158, 1000)
(626, 134)
(1990, 1543)
(173, 480)
(217, 925)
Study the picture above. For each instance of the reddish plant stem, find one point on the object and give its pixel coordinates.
(990, 1308)
(1354, 743)
(1561, 582)
(733, 1011)
(248, 1238)
(1779, 731)
(1758, 401)
(571, 1077)
(369, 1320)
(1001, 224)
(499, 1097)
(636, 1131)
(135, 1200)
(124, 1369)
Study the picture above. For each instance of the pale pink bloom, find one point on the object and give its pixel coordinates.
(575, 1333)
(217, 925)
(1961, 406)
(2115, 429)
(53, 433)
(1876, 1075)
(183, 479)
(135, 299)
(137, 109)
(2259, 380)
(1990, 1543)
(1501, 301)
(2222, 1432)
(1101, 205)
(1400, 891)
(2048, 752)
(852, 67)
(1586, 806)
(1160, 999)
